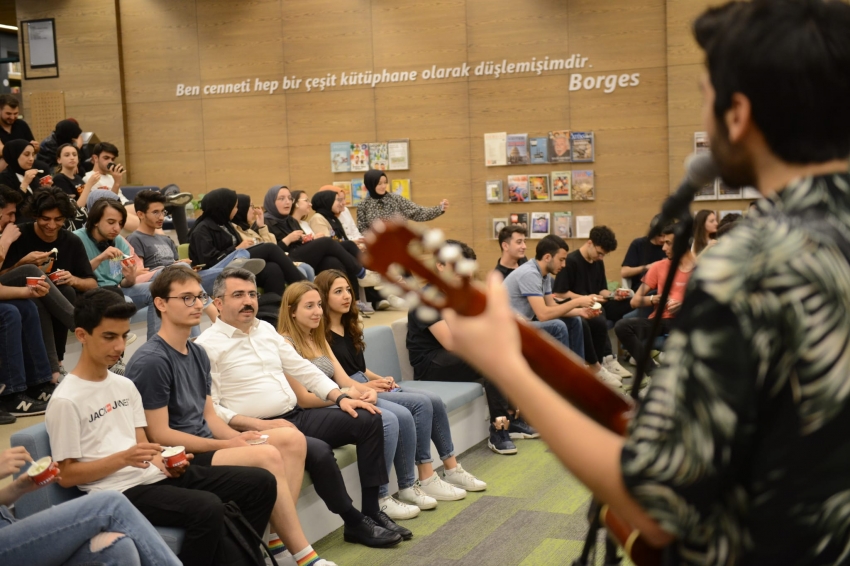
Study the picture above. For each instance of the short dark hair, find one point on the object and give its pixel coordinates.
(98, 209)
(506, 233)
(801, 44)
(9, 195)
(669, 229)
(49, 198)
(146, 198)
(603, 237)
(231, 273)
(550, 245)
(104, 146)
(465, 250)
(95, 305)
(8, 100)
(161, 286)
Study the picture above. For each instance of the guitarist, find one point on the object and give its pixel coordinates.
(739, 453)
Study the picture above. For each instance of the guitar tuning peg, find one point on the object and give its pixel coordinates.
(432, 295)
(449, 254)
(412, 300)
(387, 290)
(466, 267)
(433, 240)
(427, 314)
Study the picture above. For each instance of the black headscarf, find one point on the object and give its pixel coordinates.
(371, 180)
(323, 202)
(217, 205)
(12, 151)
(243, 206)
(67, 130)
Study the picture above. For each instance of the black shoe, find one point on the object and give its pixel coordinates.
(22, 405)
(7, 418)
(384, 520)
(500, 441)
(368, 533)
(42, 392)
(519, 429)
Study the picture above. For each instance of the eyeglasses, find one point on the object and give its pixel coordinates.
(158, 213)
(238, 295)
(283, 199)
(189, 300)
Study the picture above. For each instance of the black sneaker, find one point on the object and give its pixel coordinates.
(384, 520)
(500, 442)
(22, 405)
(7, 418)
(42, 392)
(521, 429)
(369, 533)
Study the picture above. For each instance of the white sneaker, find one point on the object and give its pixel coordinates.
(611, 364)
(655, 363)
(397, 302)
(370, 279)
(396, 510)
(463, 479)
(130, 339)
(285, 558)
(440, 490)
(413, 495)
(383, 305)
(609, 378)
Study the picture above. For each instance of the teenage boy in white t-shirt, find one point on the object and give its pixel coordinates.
(96, 423)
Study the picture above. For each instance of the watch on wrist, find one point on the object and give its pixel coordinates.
(340, 398)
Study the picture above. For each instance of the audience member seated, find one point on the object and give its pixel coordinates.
(213, 239)
(301, 209)
(111, 174)
(65, 132)
(12, 127)
(111, 257)
(96, 426)
(103, 528)
(513, 245)
(705, 230)
(47, 245)
(388, 206)
(253, 370)
(422, 415)
(347, 221)
(320, 253)
(584, 275)
(430, 344)
(68, 179)
(172, 375)
(634, 332)
(20, 173)
(642, 253)
(727, 223)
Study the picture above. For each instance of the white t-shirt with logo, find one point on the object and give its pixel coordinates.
(106, 182)
(90, 420)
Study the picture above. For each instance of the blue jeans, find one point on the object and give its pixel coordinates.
(307, 270)
(140, 295)
(24, 359)
(567, 331)
(61, 535)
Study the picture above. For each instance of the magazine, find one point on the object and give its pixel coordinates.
(401, 187)
(707, 192)
(498, 224)
(346, 190)
(340, 153)
(559, 146)
(539, 225)
(583, 187)
(494, 149)
(582, 144)
(517, 149)
(359, 156)
(584, 224)
(519, 219)
(358, 192)
(494, 191)
(539, 150)
(518, 188)
(725, 192)
(701, 144)
(562, 224)
(398, 153)
(562, 185)
(378, 158)
(538, 187)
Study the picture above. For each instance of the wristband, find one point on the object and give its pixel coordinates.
(340, 398)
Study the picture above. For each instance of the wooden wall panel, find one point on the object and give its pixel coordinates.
(231, 122)
(498, 29)
(423, 112)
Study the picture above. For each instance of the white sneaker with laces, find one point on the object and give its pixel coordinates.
(459, 477)
(397, 302)
(413, 495)
(440, 490)
(370, 279)
(396, 510)
(609, 378)
(611, 364)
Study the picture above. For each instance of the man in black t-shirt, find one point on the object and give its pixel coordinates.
(512, 244)
(12, 127)
(642, 253)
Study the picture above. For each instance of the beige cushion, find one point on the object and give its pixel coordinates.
(400, 335)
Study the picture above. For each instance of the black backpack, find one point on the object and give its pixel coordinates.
(240, 544)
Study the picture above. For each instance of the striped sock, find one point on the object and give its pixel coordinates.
(306, 557)
(275, 544)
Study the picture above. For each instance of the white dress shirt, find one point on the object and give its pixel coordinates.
(349, 225)
(248, 371)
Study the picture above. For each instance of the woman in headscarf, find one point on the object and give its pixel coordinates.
(385, 205)
(213, 237)
(320, 253)
(20, 173)
(65, 131)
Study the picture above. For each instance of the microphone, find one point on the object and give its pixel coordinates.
(700, 169)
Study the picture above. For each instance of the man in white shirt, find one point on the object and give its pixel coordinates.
(250, 363)
(97, 436)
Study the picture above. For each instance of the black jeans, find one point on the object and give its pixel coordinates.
(195, 501)
(325, 253)
(446, 366)
(634, 332)
(615, 310)
(596, 342)
(279, 270)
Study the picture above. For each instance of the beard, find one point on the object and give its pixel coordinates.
(734, 162)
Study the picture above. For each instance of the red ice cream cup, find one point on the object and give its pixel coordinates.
(43, 470)
(33, 281)
(174, 457)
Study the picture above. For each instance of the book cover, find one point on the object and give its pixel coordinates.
(701, 144)
(358, 191)
(584, 224)
(519, 218)
(707, 191)
(359, 156)
(494, 191)
(539, 224)
(583, 186)
(498, 224)
(562, 185)
(562, 224)
(518, 188)
(346, 189)
(378, 157)
(539, 150)
(582, 145)
(559, 146)
(538, 187)
(495, 152)
(398, 153)
(340, 157)
(401, 187)
(517, 149)
(725, 192)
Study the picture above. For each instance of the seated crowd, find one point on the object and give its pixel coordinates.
(256, 399)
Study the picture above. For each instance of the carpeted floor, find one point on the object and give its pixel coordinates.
(533, 513)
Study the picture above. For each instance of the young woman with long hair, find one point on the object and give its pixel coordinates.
(705, 228)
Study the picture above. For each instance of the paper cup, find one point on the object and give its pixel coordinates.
(623, 293)
(262, 440)
(174, 457)
(596, 306)
(56, 275)
(33, 281)
(43, 470)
